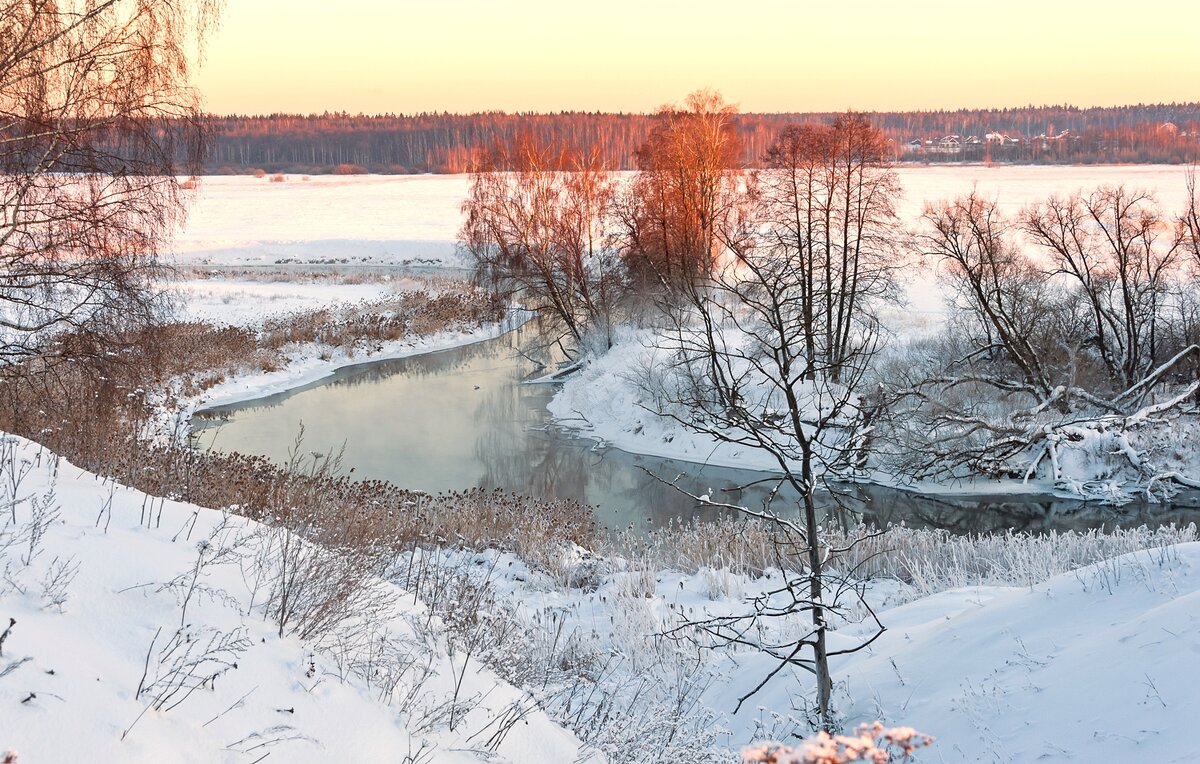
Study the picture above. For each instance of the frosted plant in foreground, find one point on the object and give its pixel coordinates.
(872, 743)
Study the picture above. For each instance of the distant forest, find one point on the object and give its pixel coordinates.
(445, 143)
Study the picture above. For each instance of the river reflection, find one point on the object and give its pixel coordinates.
(464, 417)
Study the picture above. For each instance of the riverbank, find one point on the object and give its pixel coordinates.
(254, 305)
(612, 398)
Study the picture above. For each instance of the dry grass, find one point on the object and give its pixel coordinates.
(96, 413)
(929, 560)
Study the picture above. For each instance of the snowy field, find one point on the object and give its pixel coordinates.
(414, 219)
(377, 219)
(1095, 665)
(242, 302)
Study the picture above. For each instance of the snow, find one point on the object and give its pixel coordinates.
(370, 219)
(73, 670)
(243, 302)
(1097, 664)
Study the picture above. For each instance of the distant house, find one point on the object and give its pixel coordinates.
(996, 139)
(949, 143)
(1168, 128)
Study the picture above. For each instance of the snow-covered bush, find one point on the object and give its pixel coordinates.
(870, 743)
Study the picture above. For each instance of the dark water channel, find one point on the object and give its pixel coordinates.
(466, 417)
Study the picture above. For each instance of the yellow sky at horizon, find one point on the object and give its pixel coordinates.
(630, 55)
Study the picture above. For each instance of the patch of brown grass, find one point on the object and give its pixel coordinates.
(96, 413)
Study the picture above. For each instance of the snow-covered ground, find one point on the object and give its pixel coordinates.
(1093, 665)
(1097, 664)
(242, 302)
(605, 400)
(105, 603)
(372, 219)
(612, 399)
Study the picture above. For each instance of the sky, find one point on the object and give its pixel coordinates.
(380, 56)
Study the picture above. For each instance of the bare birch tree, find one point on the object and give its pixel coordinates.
(95, 113)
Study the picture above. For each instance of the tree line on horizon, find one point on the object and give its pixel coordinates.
(445, 143)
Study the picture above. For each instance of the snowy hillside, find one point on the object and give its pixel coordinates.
(140, 635)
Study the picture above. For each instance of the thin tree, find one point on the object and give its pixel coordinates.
(738, 371)
(827, 199)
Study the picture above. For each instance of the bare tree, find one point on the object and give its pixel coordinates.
(94, 111)
(1108, 243)
(689, 176)
(999, 287)
(737, 370)
(1188, 230)
(1042, 355)
(540, 220)
(827, 197)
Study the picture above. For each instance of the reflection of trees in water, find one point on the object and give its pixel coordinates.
(884, 506)
(519, 453)
(438, 363)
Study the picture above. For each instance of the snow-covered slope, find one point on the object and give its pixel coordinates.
(1098, 665)
(105, 597)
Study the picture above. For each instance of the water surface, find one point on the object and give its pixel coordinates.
(467, 417)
